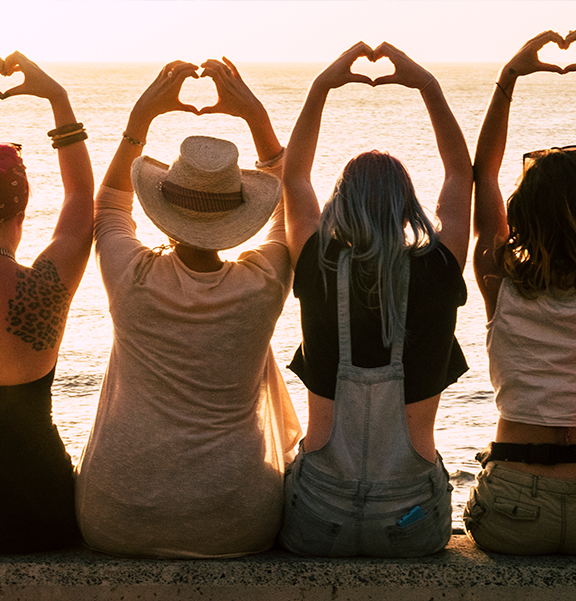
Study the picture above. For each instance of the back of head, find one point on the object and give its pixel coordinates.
(374, 211)
(13, 183)
(541, 250)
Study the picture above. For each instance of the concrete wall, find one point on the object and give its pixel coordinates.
(461, 572)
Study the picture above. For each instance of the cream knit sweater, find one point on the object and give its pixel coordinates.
(186, 455)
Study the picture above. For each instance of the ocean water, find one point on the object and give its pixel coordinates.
(356, 118)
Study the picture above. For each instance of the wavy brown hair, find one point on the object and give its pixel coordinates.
(541, 249)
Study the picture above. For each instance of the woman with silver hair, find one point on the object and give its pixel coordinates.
(379, 290)
(37, 500)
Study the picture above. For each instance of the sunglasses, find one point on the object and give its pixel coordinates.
(529, 157)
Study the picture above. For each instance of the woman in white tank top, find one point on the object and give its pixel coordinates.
(525, 262)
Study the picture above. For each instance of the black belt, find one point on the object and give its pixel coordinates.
(546, 454)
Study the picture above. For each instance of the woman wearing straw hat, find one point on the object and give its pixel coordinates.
(186, 456)
(379, 290)
(37, 491)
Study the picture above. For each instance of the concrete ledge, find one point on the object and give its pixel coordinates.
(460, 572)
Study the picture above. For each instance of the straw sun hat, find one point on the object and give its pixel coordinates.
(204, 199)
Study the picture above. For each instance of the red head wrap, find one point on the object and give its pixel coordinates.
(13, 183)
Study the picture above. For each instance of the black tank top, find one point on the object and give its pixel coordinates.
(36, 473)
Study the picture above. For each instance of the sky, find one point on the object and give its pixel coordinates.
(277, 30)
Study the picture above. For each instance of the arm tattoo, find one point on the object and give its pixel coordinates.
(38, 313)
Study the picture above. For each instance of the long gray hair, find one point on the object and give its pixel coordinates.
(374, 211)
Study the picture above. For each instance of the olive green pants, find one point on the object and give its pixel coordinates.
(520, 514)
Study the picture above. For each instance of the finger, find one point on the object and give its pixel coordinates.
(184, 70)
(212, 63)
(560, 41)
(359, 78)
(546, 37)
(216, 68)
(386, 49)
(570, 68)
(385, 79)
(360, 49)
(15, 91)
(551, 68)
(188, 108)
(208, 110)
(14, 59)
(10, 67)
(231, 66)
(219, 72)
(170, 66)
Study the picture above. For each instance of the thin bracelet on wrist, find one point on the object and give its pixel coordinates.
(503, 91)
(133, 141)
(427, 83)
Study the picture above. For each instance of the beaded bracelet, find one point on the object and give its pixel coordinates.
(133, 141)
(77, 137)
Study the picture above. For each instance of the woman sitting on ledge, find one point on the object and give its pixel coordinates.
(524, 501)
(379, 290)
(186, 456)
(37, 490)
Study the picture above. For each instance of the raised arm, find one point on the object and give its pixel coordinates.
(302, 209)
(490, 225)
(236, 99)
(453, 206)
(70, 246)
(160, 97)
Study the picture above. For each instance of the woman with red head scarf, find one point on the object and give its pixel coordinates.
(36, 474)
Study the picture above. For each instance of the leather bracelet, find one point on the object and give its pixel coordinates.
(62, 136)
(79, 137)
(65, 129)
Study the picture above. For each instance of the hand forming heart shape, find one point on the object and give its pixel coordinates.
(527, 59)
(17, 80)
(553, 53)
(10, 67)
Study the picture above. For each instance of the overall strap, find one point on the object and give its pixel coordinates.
(344, 332)
(343, 283)
(398, 337)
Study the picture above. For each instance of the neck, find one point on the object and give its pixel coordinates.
(6, 252)
(198, 259)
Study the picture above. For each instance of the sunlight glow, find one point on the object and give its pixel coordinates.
(288, 31)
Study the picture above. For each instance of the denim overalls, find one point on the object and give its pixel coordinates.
(367, 491)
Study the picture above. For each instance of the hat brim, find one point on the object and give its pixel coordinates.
(211, 231)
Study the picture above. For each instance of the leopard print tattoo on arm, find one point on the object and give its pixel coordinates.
(37, 314)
